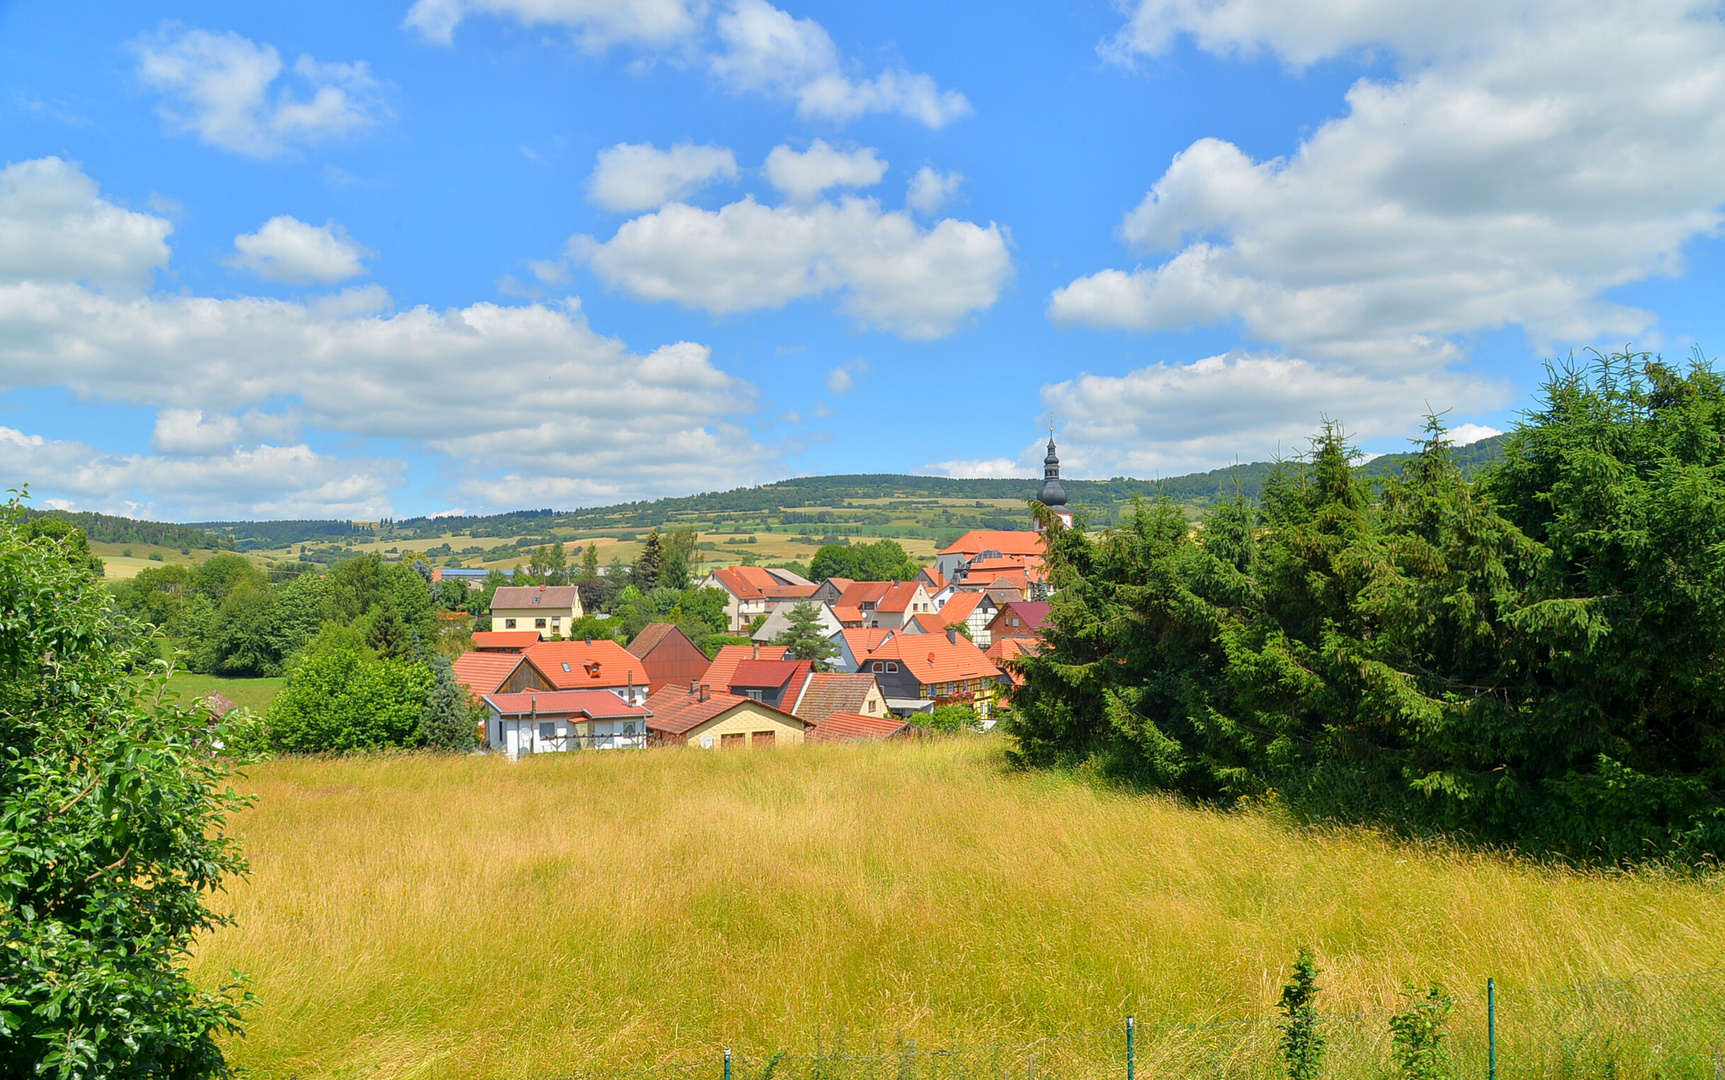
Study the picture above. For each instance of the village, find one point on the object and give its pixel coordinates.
(891, 652)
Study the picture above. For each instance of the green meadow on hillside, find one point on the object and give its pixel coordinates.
(253, 694)
(572, 914)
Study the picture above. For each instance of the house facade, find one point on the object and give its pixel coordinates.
(550, 610)
(753, 591)
(701, 718)
(919, 671)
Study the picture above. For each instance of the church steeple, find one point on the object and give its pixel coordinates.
(1053, 494)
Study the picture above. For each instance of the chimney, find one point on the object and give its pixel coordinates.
(952, 635)
(589, 639)
(757, 655)
(706, 692)
(694, 685)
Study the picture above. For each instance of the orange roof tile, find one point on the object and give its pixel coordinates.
(899, 596)
(855, 727)
(505, 640)
(959, 608)
(484, 672)
(752, 582)
(977, 541)
(934, 659)
(863, 642)
(578, 665)
(761, 674)
(859, 593)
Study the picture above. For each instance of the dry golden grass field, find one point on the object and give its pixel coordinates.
(416, 916)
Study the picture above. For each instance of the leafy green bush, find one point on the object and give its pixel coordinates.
(113, 812)
(947, 719)
(1417, 1035)
(1302, 1042)
(339, 698)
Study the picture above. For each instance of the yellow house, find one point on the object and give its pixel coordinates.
(549, 609)
(693, 715)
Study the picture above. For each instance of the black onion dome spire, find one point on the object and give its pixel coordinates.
(1052, 494)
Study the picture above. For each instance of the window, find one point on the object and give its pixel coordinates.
(890, 666)
(732, 741)
(539, 624)
(761, 738)
(877, 666)
(629, 728)
(565, 665)
(508, 624)
(556, 621)
(753, 694)
(547, 730)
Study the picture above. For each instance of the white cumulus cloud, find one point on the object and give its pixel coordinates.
(593, 24)
(889, 272)
(55, 224)
(978, 468)
(288, 250)
(930, 189)
(231, 92)
(1525, 158)
(639, 176)
(256, 482)
(767, 50)
(1169, 419)
(803, 175)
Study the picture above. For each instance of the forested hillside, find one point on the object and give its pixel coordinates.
(928, 507)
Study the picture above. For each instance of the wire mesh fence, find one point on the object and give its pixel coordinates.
(1665, 1027)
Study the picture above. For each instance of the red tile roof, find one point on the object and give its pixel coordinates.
(577, 665)
(848, 616)
(977, 541)
(594, 704)
(855, 727)
(753, 582)
(678, 712)
(859, 593)
(933, 579)
(829, 692)
(718, 676)
(762, 674)
(1007, 650)
(505, 640)
(933, 659)
(899, 597)
(484, 672)
(959, 608)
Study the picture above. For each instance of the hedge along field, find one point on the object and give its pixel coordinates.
(417, 915)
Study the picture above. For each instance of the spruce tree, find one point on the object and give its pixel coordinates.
(805, 638)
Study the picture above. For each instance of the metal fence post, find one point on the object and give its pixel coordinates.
(727, 1063)
(1131, 1060)
(1491, 1029)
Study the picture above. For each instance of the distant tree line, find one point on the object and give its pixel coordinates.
(1531, 657)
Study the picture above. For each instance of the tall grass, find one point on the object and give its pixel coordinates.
(426, 916)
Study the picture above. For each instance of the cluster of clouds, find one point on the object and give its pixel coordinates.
(748, 47)
(890, 271)
(238, 95)
(233, 380)
(1522, 160)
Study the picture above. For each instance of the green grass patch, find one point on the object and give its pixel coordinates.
(254, 694)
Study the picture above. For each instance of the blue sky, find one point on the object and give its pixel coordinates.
(367, 259)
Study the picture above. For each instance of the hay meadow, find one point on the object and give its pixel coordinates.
(420, 916)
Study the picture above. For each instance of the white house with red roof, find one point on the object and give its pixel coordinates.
(753, 591)
(555, 721)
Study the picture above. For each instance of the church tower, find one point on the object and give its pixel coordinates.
(1053, 495)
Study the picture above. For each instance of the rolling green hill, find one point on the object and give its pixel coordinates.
(880, 504)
